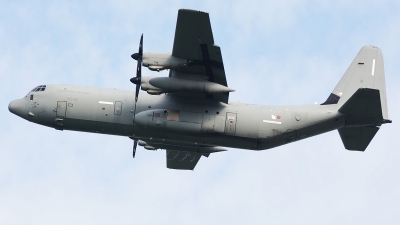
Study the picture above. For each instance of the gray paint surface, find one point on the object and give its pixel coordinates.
(182, 120)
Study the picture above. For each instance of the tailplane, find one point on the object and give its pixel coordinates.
(364, 116)
(357, 138)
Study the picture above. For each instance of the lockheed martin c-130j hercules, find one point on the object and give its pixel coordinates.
(188, 113)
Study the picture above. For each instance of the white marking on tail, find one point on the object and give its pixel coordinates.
(373, 67)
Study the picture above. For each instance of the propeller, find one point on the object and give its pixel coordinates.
(135, 141)
(138, 81)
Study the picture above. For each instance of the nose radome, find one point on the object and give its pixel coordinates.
(12, 106)
(16, 107)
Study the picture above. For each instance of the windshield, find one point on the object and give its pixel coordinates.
(39, 88)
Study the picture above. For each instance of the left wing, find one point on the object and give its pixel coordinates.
(183, 160)
(182, 157)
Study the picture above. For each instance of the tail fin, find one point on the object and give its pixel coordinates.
(361, 96)
(366, 71)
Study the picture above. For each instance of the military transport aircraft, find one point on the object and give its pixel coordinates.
(188, 113)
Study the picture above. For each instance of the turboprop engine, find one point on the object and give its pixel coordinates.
(161, 61)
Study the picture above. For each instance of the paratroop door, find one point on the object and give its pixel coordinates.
(61, 109)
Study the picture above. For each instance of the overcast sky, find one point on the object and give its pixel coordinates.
(275, 53)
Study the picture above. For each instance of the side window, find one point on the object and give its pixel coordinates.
(31, 98)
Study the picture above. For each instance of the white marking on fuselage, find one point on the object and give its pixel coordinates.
(270, 121)
(106, 103)
(373, 67)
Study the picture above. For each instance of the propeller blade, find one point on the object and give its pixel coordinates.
(135, 142)
(137, 93)
(137, 81)
(141, 47)
(139, 57)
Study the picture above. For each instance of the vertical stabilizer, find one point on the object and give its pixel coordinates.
(366, 71)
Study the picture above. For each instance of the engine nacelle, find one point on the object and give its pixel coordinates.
(159, 85)
(170, 84)
(162, 61)
(146, 86)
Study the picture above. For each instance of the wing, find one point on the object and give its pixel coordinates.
(194, 41)
(183, 160)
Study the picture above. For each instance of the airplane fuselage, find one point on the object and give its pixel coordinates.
(189, 114)
(169, 120)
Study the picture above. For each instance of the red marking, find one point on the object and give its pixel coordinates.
(278, 117)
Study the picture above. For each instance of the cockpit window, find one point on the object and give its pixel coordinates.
(39, 88)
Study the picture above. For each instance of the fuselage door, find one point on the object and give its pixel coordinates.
(61, 109)
(117, 108)
(230, 123)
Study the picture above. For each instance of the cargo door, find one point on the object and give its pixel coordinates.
(230, 123)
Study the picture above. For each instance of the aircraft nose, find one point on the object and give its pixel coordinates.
(17, 107)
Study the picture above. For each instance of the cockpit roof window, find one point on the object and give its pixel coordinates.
(39, 88)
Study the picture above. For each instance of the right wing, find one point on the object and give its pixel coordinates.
(194, 41)
(193, 28)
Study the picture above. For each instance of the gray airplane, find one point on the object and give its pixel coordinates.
(188, 113)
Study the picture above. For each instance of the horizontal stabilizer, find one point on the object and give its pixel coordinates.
(357, 138)
(363, 108)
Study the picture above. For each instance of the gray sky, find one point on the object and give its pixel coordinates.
(275, 52)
